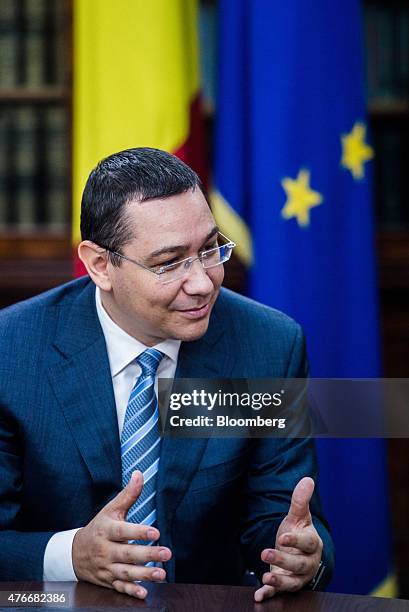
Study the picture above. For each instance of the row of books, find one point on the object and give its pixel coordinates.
(34, 167)
(391, 143)
(32, 43)
(387, 50)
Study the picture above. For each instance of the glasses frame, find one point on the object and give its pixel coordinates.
(187, 262)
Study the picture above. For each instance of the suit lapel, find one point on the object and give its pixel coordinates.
(81, 379)
(208, 357)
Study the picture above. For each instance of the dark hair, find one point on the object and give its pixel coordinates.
(133, 175)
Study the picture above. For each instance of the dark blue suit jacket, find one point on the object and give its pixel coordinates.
(219, 501)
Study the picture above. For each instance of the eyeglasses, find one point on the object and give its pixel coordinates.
(174, 271)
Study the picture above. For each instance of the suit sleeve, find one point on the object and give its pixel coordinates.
(277, 466)
(21, 552)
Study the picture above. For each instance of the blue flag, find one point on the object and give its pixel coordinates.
(293, 186)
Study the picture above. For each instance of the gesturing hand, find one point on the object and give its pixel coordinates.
(101, 553)
(295, 559)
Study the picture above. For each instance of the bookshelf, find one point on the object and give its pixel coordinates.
(387, 78)
(387, 70)
(35, 146)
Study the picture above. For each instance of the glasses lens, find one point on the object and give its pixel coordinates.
(209, 259)
(174, 271)
(216, 256)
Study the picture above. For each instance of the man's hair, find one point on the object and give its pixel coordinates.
(134, 175)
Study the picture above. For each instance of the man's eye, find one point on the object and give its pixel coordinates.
(208, 247)
(168, 262)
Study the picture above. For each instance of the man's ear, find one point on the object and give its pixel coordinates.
(96, 261)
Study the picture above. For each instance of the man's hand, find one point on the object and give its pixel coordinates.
(295, 559)
(101, 553)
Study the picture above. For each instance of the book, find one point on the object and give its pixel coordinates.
(389, 177)
(57, 162)
(3, 169)
(55, 52)
(35, 42)
(8, 44)
(387, 52)
(25, 167)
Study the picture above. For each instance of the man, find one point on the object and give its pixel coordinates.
(78, 372)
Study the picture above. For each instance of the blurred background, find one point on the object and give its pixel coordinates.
(310, 101)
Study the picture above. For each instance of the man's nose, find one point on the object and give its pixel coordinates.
(198, 281)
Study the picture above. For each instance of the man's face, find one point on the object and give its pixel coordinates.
(179, 226)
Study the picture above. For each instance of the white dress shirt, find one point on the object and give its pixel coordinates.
(122, 350)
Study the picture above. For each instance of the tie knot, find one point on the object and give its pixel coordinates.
(149, 361)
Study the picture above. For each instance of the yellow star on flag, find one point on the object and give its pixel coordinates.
(300, 198)
(355, 151)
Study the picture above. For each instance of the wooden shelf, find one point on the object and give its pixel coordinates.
(22, 279)
(393, 257)
(41, 245)
(396, 108)
(43, 95)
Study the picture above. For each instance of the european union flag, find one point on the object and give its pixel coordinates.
(293, 187)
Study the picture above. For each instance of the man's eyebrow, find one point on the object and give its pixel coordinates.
(181, 248)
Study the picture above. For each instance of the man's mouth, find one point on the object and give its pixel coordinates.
(197, 312)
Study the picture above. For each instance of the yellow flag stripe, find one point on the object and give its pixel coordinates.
(136, 72)
(233, 226)
(387, 588)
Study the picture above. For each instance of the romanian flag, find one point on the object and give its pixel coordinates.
(293, 187)
(136, 83)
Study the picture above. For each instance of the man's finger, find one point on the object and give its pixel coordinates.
(297, 564)
(265, 592)
(139, 554)
(132, 573)
(299, 508)
(265, 555)
(134, 590)
(282, 582)
(119, 506)
(307, 541)
(121, 531)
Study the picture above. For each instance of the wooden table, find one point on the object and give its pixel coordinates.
(198, 598)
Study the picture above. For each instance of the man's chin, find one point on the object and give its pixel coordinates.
(193, 330)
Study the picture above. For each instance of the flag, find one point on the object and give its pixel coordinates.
(136, 83)
(292, 184)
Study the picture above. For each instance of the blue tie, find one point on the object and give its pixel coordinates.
(140, 440)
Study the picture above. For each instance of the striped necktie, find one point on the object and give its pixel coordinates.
(140, 440)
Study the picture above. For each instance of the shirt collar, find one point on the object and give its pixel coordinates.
(123, 348)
